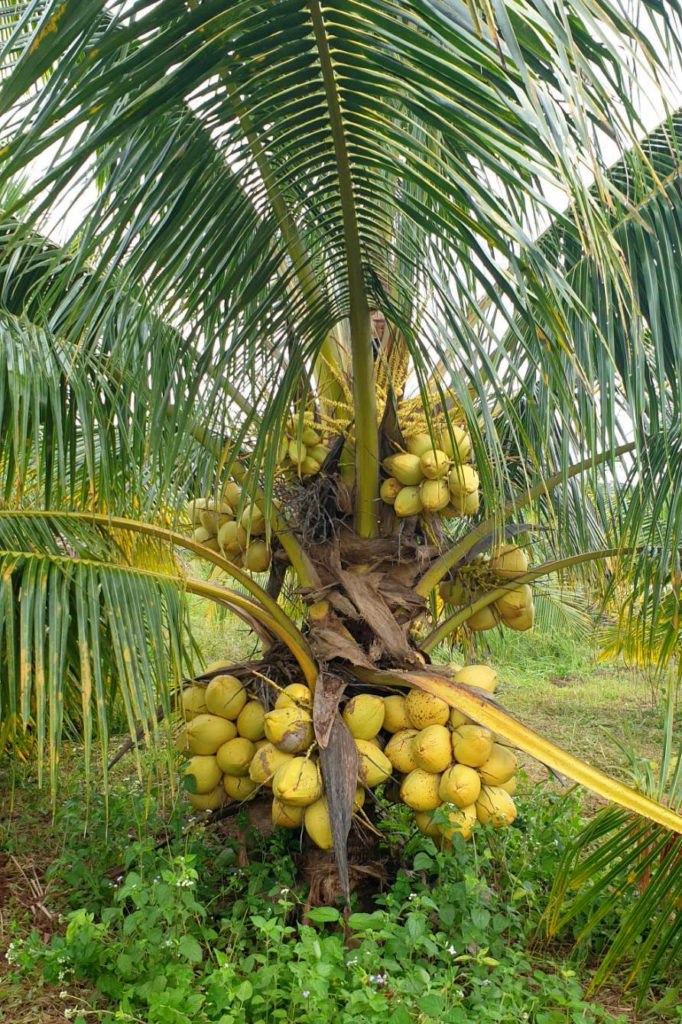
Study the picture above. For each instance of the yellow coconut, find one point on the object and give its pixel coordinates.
(212, 520)
(510, 785)
(373, 765)
(425, 709)
(239, 787)
(257, 556)
(232, 537)
(453, 592)
(434, 495)
(462, 504)
(461, 821)
(193, 701)
(458, 446)
(463, 480)
(420, 790)
(286, 816)
(432, 748)
(253, 520)
(295, 694)
(406, 468)
(484, 619)
(523, 621)
(201, 535)
(395, 714)
(509, 561)
(290, 729)
(400, 751)
(358, 799)
(214, 667)
(193, 508)
(408, 502)
(297, 452)
(514, 601)
(389, 490)
(251, 721)
(298, 782)
(205, 733)
(208, 801)
(364, 715)
(499, 767)
(232, 494)
(460, 785)
(310, 437)
(317, 824)
(495, 805)
(435, 464)
(424, 822)
(309, 466)
(480, 676)
(203, 773)
(265, 763)
(419, 443)
(472, 745)
(457, 719)
(225, 696)
(234, 757)
(319, 452)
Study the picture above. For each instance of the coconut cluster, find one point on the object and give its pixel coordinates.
(301, 452)
(443, 759)
(514, 609)
(231, 527)
(432, 476)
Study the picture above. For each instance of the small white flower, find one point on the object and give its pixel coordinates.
(412, 896)
(63, 994)
(284, 891)
(70, 1012)
(305, 993)
(451, 950)
(486, 981)
(460, 993)
(353, 960)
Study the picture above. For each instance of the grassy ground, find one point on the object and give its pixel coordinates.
(557, 686)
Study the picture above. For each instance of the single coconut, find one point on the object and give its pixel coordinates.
(193, 508)
(358, 799)
(286, 816)
(453, 592)
(289, 728)
(419, 444)
(463, 504)
(239, 787)
(389, 490)
(310, 437)
(460, 785)
(408, 502)
(257, 556)
(499, 767)
(205, 733)
(460, 822)
(253, 520)
(317, 824)
(251, 721)
(201, 535)
(486, 618)
(214, 667)
(396, 717)
(212, 520)
(523, 621)
(480, 676)
(406, 468)
(510, 785)
(232, 495)
(193, 701)
(515, 601)
(297, 452)
(424, 822)
(298, 782)
(208, 801)
(364, 715)
(434, 464)
(225, 696)
(265, 763)
(420, 790)
(202, 773)
(400, 751)
(373, 765)
(457, 446)
(319, 452)
(434, 495)
(457, 719)
(232, 537)
(496, 806)
(309, 466)
(295, 694)
(425, 709)
(463, 480)
(432, 748)
(509, 561)
(234, 757)
(472, 745)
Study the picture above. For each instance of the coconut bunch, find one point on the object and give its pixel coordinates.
(301, 452)
(432, 476)
(231, 527)
(514, 609)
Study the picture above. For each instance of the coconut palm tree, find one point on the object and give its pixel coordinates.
(366, 221)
